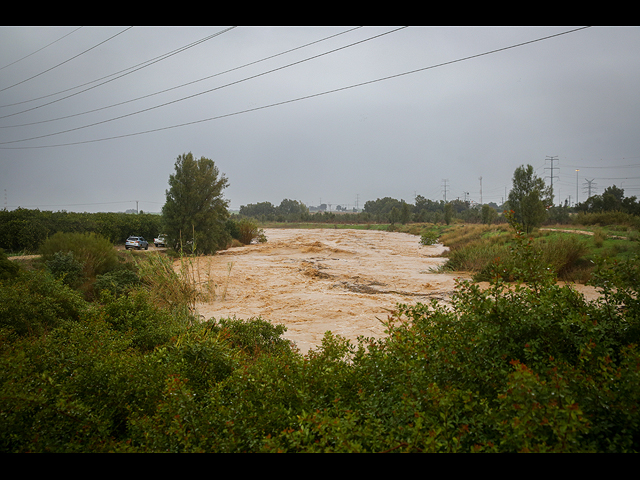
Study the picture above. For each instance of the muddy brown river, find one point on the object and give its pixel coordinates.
(315, 280)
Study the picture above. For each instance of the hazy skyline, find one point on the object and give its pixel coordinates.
(75, 104)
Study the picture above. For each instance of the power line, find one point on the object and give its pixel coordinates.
(83, 204)
(617, 178)
(106, 76)
(552, 176)
(140, 66)
(184, 84)
(202, 93)
(304, 97)
(40, 49)
(68, 60)
(610, 166)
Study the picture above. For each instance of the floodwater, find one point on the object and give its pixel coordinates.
(315, 280)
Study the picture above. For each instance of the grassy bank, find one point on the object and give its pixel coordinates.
(571, 255)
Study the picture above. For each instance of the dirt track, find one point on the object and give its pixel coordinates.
(323, 279)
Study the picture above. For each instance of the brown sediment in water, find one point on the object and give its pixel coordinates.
(315, 280)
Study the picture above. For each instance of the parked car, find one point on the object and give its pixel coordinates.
(136, 242)
(160, 241)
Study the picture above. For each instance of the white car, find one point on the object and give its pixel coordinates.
(136, 242)
(160, 241)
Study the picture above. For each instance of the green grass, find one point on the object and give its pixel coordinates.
(572, 256)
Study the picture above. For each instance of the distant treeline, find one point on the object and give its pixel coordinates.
(25, 230)
(611, 200)
(382, 210)
(391, 210)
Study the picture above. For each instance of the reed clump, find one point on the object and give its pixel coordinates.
(184, 285)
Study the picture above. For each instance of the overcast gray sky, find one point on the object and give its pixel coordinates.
(573, 98)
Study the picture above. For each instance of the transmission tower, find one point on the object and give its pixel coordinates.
(590, 185)
(445, 190)
(552, 176)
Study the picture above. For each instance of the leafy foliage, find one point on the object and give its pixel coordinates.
(117, 282)
(611, 200)
(531, 367)
(64, 266)
(32, 303)
(248, 231)
(95, 253)
(25, 230)
(429, 237)
(8, 269)
(489, 214)
(529, 198)
(195, 212)
(287, 211)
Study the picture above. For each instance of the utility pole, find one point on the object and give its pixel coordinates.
(551, 159)
(481, 191)
(137, 211)
(357, 200)
(577, 170)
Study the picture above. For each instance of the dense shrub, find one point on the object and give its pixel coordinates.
(607, 218)
(248, 231)
(8, 269)
(476, 249)
(65, 267)
(96, 253)
(135, 314)
(34, 302)
(531, 367)
(428, 237)
(117, 281)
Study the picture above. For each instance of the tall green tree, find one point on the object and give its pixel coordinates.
(529, 198)
(195, 211)
(448, 213)
(405, 213)
(489, 214)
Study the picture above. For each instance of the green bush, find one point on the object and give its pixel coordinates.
(96, 253)
(254, 336)
(248, 231)
(65, 267)
(34, 303)
(599, 236)
(8, 269)
(606, 218)
(135, 314)
(428, 238)
(530, 367)
(471, 252)
(117, 282)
